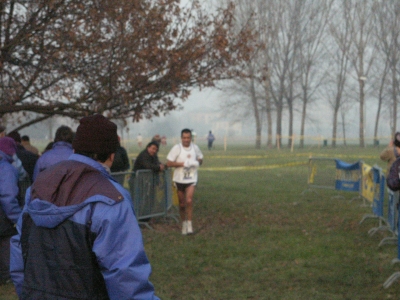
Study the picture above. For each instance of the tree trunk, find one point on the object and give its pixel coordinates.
(394, 101)
(334, 127)
(256, 111)
(344, 128)
(268, 107)
(279, 111)
(290, 108)
(362, 98)
(303, 122)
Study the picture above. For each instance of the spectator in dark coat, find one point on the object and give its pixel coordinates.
(9, 207)
(27, 158)
(120, 164)
(26, 142)
(148, 159)
(61, 150)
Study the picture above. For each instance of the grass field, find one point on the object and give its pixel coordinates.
(260, 237)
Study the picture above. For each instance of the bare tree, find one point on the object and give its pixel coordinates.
(338, 48)
(361, 56)
(282, 54)
(248, 84)
(268, 29)
(388, 36)
(379, 89)
(312, 53)
(242, 101)
(290, 33)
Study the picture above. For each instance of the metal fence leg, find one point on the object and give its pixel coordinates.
(391, 279)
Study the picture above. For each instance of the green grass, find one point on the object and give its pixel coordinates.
(262, 235)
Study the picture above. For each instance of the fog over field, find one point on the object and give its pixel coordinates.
(203, 111)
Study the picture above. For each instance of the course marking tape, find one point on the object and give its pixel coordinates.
(308, 155)
(311, 155)
(274, 166)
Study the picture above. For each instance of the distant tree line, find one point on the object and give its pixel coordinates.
(335, 53)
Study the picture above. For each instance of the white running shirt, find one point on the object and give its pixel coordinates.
(178, 153)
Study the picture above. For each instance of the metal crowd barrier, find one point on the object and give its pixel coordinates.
(151, 193)
(396, 275)
(377, 186)
(370, 183)
(321, 173)
(331, 173)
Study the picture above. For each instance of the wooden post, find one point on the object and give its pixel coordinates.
(225, 143)
(292, 143)
(278, 144)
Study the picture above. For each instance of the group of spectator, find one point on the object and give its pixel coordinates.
(76, 212)
(27, 162)
(76, 218)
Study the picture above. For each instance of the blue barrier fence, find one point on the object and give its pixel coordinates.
(151, 193)
(348, 176)
(370, 184)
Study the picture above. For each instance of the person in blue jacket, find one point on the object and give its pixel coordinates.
(60, 150)
(78, 237)
(9, 207)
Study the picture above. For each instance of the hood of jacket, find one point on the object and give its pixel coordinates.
(6, 157)
(65, 188)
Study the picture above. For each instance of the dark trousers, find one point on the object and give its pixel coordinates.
(4, 258)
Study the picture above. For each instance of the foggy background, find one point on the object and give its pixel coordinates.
(203, 111)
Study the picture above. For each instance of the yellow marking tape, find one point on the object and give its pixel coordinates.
(292, 155)
(244, 168)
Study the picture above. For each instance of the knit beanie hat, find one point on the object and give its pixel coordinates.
(8, 146)
(396, 139)
(96, 134)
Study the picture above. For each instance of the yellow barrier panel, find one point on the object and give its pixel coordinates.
(367, 186)
(175, 200)
(312, 174)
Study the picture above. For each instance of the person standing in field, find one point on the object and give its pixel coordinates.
(139, 139)
(391, 152)
(185, 157)
(210, 140)
(78, 237)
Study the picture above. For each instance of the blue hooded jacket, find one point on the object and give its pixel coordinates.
(59, 152)
(9, 207)
(64, 194)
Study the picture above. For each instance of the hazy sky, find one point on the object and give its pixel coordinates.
(319, 121)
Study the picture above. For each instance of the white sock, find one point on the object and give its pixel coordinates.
(184, 227)
(189, 227)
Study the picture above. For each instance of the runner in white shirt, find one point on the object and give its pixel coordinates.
(185, 157)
